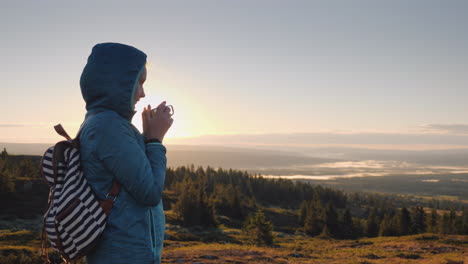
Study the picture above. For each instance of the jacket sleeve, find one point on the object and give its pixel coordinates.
(140, 171)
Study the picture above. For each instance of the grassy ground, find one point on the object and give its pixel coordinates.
(230, 245)
(427, 248)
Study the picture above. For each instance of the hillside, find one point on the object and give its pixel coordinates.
(230, 216)
(230, 245)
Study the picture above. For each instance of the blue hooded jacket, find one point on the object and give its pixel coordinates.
(111, 147)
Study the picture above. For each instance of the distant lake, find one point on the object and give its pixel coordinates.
(314, 164)
(365, 168)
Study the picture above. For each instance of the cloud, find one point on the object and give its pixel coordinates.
(13, 125)
(457, 129)
(366, 138)
(25, 125)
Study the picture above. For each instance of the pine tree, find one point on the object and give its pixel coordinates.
(303, 212)
(452, 221)
(388, 226)
(207, 212)
(330, 219)
(4, 154)
(433, 222)
(419, 222)
(312, 224)
(7, 185)
(28, 169)
(193, 207)
(237, 211)
(458, 225)
(184, 206)
(465, 222)
(371, 228)
(404, 222)
(359, 225)
(260, 230)
(444, 224)
(347, 229)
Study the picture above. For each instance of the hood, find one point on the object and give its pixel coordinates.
(110, 77)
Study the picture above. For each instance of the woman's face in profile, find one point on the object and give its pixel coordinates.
(139, 92)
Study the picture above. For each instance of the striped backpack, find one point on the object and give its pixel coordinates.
(74, 218)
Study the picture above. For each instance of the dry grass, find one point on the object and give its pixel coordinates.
(302, 249)
(427, 248)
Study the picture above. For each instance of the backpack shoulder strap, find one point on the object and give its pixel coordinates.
(108, 202)
(61, 131)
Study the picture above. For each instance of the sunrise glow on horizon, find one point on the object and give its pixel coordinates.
(393, 67)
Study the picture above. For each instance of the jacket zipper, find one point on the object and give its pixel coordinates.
(152, 229)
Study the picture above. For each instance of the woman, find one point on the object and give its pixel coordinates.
(112, 148)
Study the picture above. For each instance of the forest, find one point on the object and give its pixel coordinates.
(198, 194)
(210, 198)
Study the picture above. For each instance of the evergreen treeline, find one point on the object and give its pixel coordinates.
(319, 219)
(13, 167)
(280, 192)
(236, 194)
(20, 179)
(321, 211)
(201, 195)
(379, 200)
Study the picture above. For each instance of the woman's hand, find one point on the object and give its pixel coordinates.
(156, 124)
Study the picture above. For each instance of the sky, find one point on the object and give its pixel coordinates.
(248, 67)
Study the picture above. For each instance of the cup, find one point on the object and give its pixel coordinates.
(156, 109)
